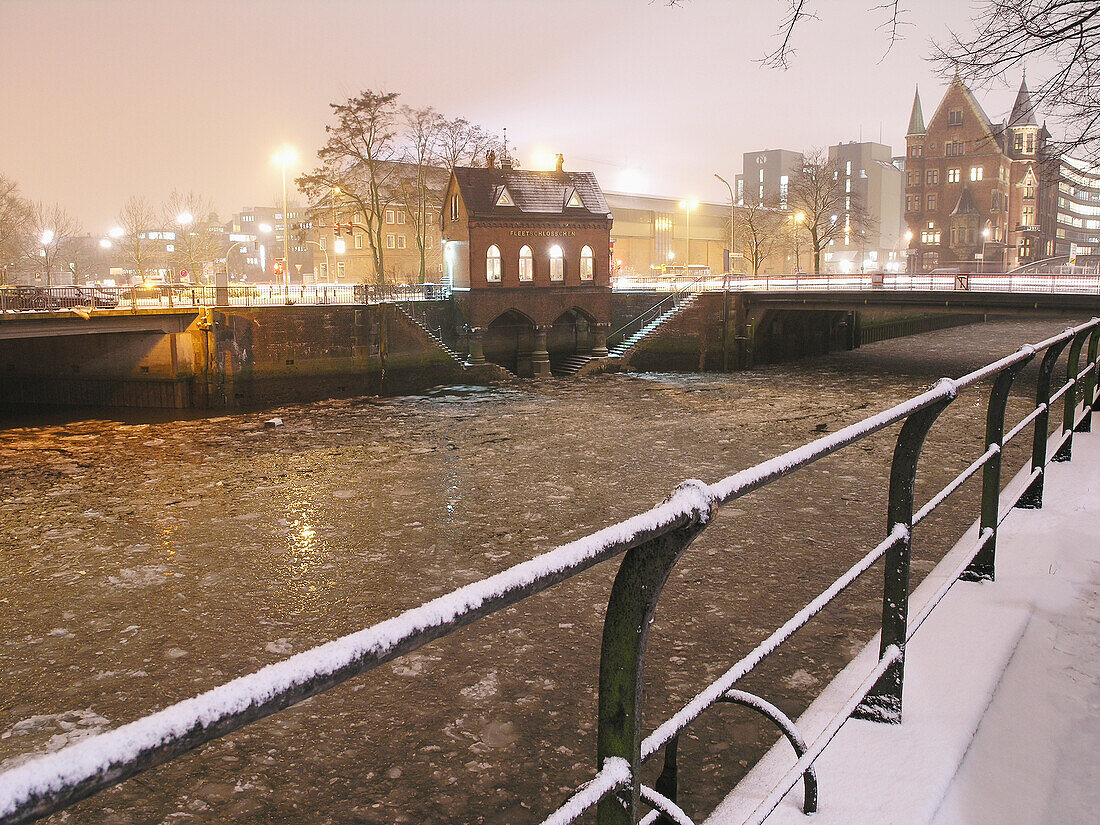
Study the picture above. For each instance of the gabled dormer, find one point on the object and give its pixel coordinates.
(504, 198)
(572, 199)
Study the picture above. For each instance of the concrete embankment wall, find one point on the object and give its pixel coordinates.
(231, 357)
(728, 332)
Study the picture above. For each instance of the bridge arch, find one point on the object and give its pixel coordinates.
(509, 340)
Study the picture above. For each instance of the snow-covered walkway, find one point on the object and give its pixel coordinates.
(1002, 690)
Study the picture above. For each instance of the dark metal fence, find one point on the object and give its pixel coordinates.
(651, 543)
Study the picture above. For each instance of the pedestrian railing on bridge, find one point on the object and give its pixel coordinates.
(651, 543)
(64, 299)
(1079, 283)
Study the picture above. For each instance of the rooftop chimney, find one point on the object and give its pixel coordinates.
(559, 163)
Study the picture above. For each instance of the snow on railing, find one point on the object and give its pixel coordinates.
(656, 538)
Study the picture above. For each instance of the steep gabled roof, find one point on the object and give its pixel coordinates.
(965, 206)
(532, 193)
(916, 119)
(1023, 110)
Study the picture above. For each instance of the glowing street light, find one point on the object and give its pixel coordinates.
(105, 244)
(286, 157)
(47, 236)
(116, 232)
(687, 206)
(185, 219)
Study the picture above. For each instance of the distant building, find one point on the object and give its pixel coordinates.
(650, 234)
(765, 176)
(978, 194)
(869, 176)
(255, 241)
(1077, 221)
(528, 257)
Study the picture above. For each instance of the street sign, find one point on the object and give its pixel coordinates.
(1073, 254)
(299, 268)
(737, 254)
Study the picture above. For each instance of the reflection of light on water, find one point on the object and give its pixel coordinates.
(306, 583)
(167, 531)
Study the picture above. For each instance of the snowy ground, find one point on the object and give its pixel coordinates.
(1002, 690)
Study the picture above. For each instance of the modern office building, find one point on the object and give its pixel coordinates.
(765, 175)
(1077, 219)
(870, 179)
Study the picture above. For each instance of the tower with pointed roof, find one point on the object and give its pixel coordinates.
(975, 193)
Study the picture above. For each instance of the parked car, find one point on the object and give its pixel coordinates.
(84, 296)
(28, 299)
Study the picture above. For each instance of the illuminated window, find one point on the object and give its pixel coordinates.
(526, 264)
(454, 207)
(557, 264)
(976, 173)
(586, 263)
(953, 175)
(492, 263)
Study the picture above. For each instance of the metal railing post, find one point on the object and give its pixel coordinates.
(630, 608)
(982, 566)
(1032, 499)
(1069, 411)
(1088, 395)
(883, 701)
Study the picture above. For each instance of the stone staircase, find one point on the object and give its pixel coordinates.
(432, 336)
(629, 343)
(567, 367)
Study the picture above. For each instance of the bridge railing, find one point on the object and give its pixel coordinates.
(1077, 283)
(650, 543)
(161, 296)
(684, 289)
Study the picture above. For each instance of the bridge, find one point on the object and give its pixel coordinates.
(221, 346)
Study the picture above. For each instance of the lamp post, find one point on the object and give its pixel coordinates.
(687, 206)
(284, 157)
(733, 234)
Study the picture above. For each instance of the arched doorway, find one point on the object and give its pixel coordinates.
(570, 334)
(509, 341)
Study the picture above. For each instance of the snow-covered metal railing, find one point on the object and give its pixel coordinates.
(651, 543)
(1075, 283)
(159, 296)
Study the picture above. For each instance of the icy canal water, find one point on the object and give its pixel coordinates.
(144, 561)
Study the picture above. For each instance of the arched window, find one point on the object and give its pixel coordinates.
(586, 263)
(557, 264)
(526, 264)
(492, 263)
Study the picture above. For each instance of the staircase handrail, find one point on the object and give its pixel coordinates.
(675, 297)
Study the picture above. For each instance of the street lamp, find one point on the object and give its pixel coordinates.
(796, 220)
(285, 157)
(687, 206)
(733, 234)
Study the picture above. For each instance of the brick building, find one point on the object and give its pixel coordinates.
(978, 194)
(527, 257)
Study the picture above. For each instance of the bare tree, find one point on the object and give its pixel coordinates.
(138, 218)
(15, 226)
(359, 157)
(198, 240)
(462, 143)
(1005, 34)
(759, 229)
(51, 229)
(417, 188)
(816, 192)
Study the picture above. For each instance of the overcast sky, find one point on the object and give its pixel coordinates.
(102, 99)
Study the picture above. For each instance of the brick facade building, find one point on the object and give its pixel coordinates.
(527, 255)
(978, 194)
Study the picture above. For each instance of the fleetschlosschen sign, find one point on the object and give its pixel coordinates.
(544, 233)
